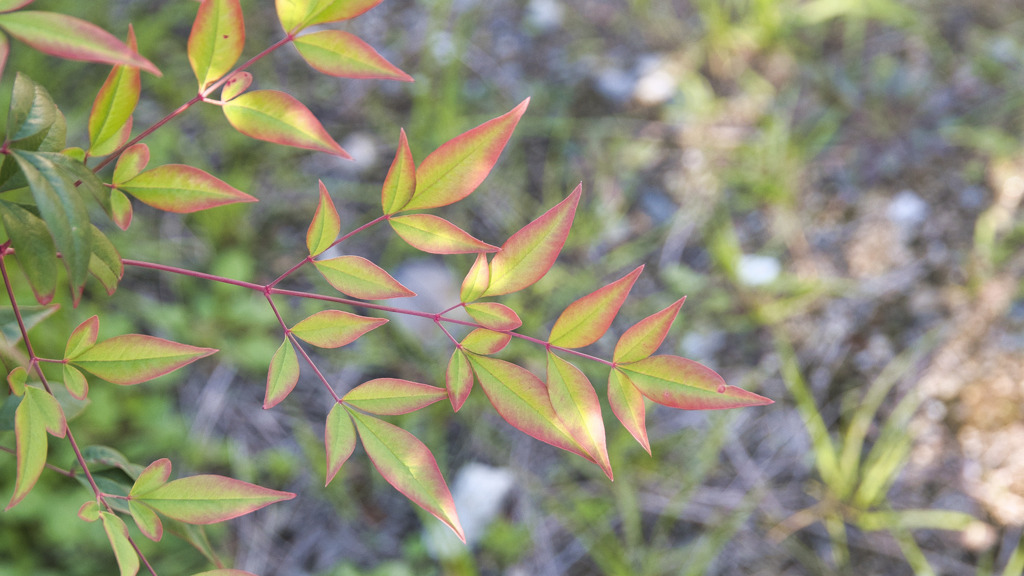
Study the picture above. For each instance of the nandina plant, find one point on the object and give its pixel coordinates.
(45, 191)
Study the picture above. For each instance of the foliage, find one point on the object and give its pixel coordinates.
(48, 189)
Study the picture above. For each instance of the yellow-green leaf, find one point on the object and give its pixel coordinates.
(339, 439)
(110, 120)
(682, 383)
(38, 413)
(135, 358)
(339, 53)
(494, 315)
(334, 328)
(436, 235)
(360, 278)
(401, 179)
(458, 379)
(325, 226)
(628, 406)
(283, 374)
(216, 40)
(276, 117)
(182, 189)
(577, 406)
(117, 533)
(486, 342)
(643, 338)
(584, 321)
(477, 279)
(393, 396)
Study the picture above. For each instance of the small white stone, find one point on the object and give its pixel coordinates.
(545, 14)
(907, 209)
(757, 270)
(655, 87)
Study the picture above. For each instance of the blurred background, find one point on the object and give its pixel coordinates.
(833, 184)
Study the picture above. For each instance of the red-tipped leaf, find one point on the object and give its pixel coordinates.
(407, 464)
(110, 120)
(146, 520)
(360, 278)
(401, 179)
(477, 279)
(36, 415)
(454, 170)
(436, 235)
(182, 189)
(135, 358)
(75, 382)
(643, 338)
(326, 224)
(276, 117)
(339, 439)
(458, 379)
(298, 14)
(688, 385)
(486, 342)
(71, 38)
(117, 533)
(393, 396)
(131, 163)
(338, 53)
(283, 374)
(628, 406)
(208, 498)
(577, 406)
(216, 40)
(334, 328)
(82, 337)
(494, 315)
(584, 321)
(238, 83)
(528, 255)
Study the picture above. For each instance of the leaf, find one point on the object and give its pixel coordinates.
(216, 40)
(182, 189)
(522, 400)
(33, 249)
(528, 255)
(334, 328)
(238, 83)
(436, 235)
(117, 533)
(458, 166)
(477, 279)
(208, 498)
(494, 315)
(644, 337)
(283, 374)
(90, 511)
(577, 406)
(458, 379)
(62, 209)
(152, 477)
(146, 520)
(360, 278)
(688, 385)
(628, 406)
(11, 5)
(407, 464)
(105, 263)
(340, 440)
(131, 163)
(400, 182)
(75, 382)
(37, 414)
(338, 53)
(32, 112)
(276, 117)
(110, 120)
(16, 380)
(71, 38)
(486, 342)
(584, 321)
(298, 14)
(5, 52)
(135, 358)
(393, 396)
(120, 209)
(326, 224)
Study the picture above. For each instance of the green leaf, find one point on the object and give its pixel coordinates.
(360, 278)
(458, 166)
(131, 163)
(62, 209)
(71, 38)
(216, 40)
(120, 209)
(152, 477)
(298, 14)
(33, 249)
(458, 379)
(75, 382)
(117, 533)
(283, 374)
(486, 342)
(407, 464)
(339, 439)
(32, 111)
(577, 406)
(326, 224)
(628, 406)
(494, 315)
(146, 520)
(522, 400)
(393, 396)
(110, 120)
(208, 498)
(11, 5)
(334, 328)
(584, 321)
(688, 385)
(338, 53)
(528, 255)
(90, 511)
(182, 189)
(400, 182)
(476, 281)
(104, 457)
(135, 358)
(238, 83)
(644, 337)
(436, 235)
(37, 414)
(105, 263)
(276, 117)
(16, 380)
